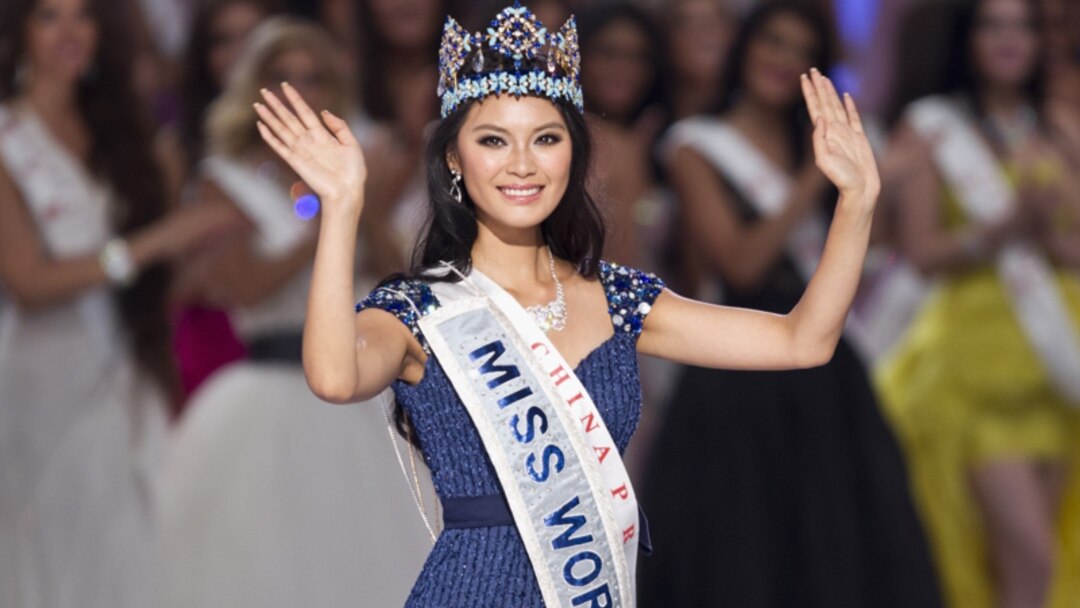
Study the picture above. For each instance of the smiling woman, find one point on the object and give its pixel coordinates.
(85, 367)
(515, 160)
(473, 372)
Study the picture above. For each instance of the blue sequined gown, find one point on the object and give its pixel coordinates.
(480, 567)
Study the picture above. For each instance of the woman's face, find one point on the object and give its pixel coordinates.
(700, 33)
(301, 69)
(1004, 42)
(61, 39)
(617, 68)
(514, 155)
(229, 31)
(783, 48)
(407, 24)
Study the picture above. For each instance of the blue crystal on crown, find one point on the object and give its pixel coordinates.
(534, 62)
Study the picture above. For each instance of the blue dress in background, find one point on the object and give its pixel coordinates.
(479, 567)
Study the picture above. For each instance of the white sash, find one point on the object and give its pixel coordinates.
(764, 185)
(974, 175)
(564, 480)
(262, 199)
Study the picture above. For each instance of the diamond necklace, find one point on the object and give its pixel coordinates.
(553, 314)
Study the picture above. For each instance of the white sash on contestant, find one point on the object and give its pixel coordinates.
(560, 470)
(973, 174)
(767, 188)
(764, 185)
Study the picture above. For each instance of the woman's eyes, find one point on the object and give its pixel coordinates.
(547, 139)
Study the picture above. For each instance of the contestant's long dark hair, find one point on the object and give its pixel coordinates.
(121, 156)
(734, 81)
(935, 56)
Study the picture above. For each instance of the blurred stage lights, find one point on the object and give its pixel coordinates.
(307, 204)
(307, 207)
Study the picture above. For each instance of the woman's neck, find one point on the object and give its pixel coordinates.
(761, 116)
(694, 96)
(51, 97)
(1001, 100)
(517, 262)
(766, 127)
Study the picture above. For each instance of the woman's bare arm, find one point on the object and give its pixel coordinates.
(347, 356)
(238, 275)
(37, 280)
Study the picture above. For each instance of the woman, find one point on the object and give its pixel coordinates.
(204, 339)
(219, 31)
(981, 387)
(515, 226)
(799, 466)
(621, 78)
(85, 367)
(398, 43)
(698, 35)
(259, 462)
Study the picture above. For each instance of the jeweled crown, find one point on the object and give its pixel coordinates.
(524, 59)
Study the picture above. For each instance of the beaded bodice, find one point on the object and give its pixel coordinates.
(450, 443)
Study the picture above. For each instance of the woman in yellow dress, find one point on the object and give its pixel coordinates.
(990, 429)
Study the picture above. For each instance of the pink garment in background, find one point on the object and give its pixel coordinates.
(204, 342)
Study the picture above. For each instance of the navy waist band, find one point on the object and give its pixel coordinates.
(493, 510)
(278, 347)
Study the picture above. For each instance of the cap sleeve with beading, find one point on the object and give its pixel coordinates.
(630, 295)
(406, 299)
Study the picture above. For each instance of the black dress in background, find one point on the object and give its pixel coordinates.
(781, 489)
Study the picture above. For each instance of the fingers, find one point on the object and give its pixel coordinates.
(284, 115)
(810, 94)
(339, 128)
(302, 109)
(820, 137)
(275, 144)
(274, 125)
(831, 107)
(853, 113)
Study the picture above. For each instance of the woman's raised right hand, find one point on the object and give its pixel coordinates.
(324, 153)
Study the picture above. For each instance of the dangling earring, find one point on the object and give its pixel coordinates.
(455, 185)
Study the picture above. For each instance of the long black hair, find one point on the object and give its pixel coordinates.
(935, 56)
(121, 156)
(574, 230)
(826, 53)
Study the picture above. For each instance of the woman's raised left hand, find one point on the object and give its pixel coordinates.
(841, 150)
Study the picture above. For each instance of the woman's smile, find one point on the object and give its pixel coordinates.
(521, 194)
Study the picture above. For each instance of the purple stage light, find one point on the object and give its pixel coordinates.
(307, 207)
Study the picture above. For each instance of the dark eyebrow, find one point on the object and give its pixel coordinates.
(550, 125)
